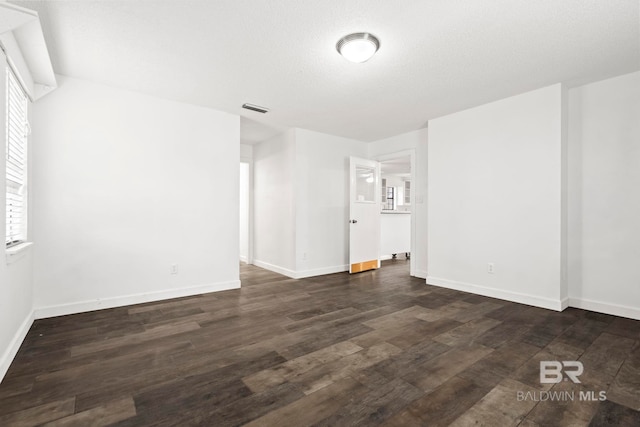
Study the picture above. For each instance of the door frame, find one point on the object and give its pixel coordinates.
(412, 154)
(249, 161)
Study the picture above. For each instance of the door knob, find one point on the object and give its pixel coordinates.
(353, 221)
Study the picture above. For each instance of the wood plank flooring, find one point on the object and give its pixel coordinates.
(377, 348)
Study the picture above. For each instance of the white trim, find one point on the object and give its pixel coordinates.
(29, 58)
(99, 304)
(605, 307)
(396, 154)
(321, 271)
(518, 297)
(274, 268)
(300, 274)
(250, 249)
(422, 274)
(14, 346)
(243, 259)
(14, 253)
(250, 219)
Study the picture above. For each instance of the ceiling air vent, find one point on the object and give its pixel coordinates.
(257, 108)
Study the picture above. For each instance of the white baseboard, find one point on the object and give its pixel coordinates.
(521, 298)
(606, 308)
(300, 274)
(422, 274)
(274, 268)
(243, 259)
(99, 304)
(321, 271)
(14, 346)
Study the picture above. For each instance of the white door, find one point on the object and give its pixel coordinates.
(364, 211)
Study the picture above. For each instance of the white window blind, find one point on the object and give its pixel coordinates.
(16, 158)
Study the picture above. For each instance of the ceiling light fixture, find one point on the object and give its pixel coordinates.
(358, 47)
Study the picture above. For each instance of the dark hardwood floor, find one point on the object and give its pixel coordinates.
(377, 348)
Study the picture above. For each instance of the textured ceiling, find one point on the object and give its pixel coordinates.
(436, 56)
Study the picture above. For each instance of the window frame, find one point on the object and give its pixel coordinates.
(16, 103)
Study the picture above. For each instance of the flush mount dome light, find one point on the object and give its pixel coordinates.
(358, 47)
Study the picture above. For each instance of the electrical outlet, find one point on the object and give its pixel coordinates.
(173, 269)
(304, 256)
(490, 268)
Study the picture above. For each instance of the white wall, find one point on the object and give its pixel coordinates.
(604, 202)
(274, 203)
(322, 201)
(244, 211)
(415, 140)
(393, 180)
(246, 202)
(16, 305)
(124, 186)
(301, 201)
(246, 153)
(16, 287)
(495, 197)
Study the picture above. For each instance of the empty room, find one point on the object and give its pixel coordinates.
(340, 213)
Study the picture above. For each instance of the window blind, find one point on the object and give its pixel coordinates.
(16, 155)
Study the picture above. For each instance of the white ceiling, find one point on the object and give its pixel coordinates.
(436, 56)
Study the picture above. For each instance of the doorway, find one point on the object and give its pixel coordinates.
(397, 219)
